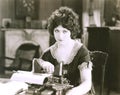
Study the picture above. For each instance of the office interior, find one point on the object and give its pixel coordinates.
(22, 21)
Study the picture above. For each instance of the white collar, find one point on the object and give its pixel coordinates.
(76, 47)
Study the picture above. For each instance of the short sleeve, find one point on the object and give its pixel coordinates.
(85, 65)
(84, 55)
(84, 59)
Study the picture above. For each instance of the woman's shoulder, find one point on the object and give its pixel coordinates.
(47, 51)
(80, 45)
(82, 49)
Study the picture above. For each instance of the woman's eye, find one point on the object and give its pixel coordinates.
(64, 31)
(56, 31)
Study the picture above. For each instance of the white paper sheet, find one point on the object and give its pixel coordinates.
(30, 77)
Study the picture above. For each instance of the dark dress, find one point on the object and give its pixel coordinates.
(73, 73)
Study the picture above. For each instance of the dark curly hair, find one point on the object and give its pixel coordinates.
(67, 18)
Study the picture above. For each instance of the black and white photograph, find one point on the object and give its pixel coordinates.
(59, 47)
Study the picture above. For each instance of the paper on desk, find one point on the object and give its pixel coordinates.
(30, 77)
(12, 88)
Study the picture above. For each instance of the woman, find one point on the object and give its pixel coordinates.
(63, 24)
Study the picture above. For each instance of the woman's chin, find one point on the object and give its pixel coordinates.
(61, 43)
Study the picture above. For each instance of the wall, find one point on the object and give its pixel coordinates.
(97, 18)
(98, 12)
(103, 10)
(46, 7)
(76, 5)
(112, 7)
(15, 37)
(7, 10)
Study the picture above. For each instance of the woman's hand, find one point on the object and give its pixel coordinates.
(48, 67)
(45, 65)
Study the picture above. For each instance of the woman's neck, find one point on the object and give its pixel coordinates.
(68, 43)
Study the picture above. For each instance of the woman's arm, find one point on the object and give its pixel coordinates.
(86, 80)
(45, 65)
(45, 61)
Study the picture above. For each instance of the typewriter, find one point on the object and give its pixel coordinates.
(56, 84)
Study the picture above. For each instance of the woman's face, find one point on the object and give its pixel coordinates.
(62, 34)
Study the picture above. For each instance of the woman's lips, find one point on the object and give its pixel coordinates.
(60, 40)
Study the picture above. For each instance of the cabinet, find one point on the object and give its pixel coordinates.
(98, 38)
(107, 39)
(114, 60)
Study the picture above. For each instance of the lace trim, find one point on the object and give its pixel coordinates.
(85, 65)
(73, 53)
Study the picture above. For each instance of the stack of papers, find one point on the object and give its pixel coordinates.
(30, 77)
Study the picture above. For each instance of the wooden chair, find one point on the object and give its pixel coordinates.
(23, 57)
(99, 60)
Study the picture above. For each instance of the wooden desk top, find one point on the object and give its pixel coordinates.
(30, 91)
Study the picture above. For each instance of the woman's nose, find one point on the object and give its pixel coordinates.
(61, 35)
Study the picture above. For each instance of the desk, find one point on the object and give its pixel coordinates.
(29, 92)
(29, 83)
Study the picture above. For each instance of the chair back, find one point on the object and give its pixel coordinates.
(99, 60)
(24, 56)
